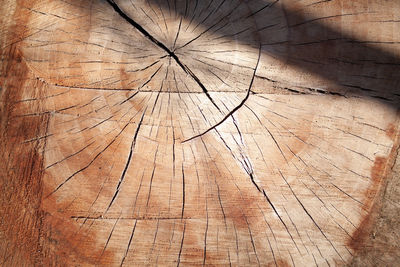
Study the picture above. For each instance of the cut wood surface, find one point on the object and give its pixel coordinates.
(220, 133)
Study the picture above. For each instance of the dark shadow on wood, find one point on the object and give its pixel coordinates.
(356, 67)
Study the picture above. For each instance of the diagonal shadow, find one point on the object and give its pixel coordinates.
(356, 67)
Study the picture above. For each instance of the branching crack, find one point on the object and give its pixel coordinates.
(146, 34)
(236, 108)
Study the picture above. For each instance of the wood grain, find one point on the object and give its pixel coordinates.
(197, 132)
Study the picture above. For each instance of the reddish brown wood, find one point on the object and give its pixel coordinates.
(142, 134)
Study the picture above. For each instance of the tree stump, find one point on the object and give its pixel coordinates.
(207, 132)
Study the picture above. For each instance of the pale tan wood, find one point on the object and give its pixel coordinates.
(196, 132)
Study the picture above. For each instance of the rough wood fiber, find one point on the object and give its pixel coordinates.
(199, 132)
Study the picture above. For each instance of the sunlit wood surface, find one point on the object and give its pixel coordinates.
(219, 133)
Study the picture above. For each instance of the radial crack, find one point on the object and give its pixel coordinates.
(236, 108)
(163, 47)
(127, 162)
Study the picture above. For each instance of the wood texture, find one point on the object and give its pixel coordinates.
(189, 133)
